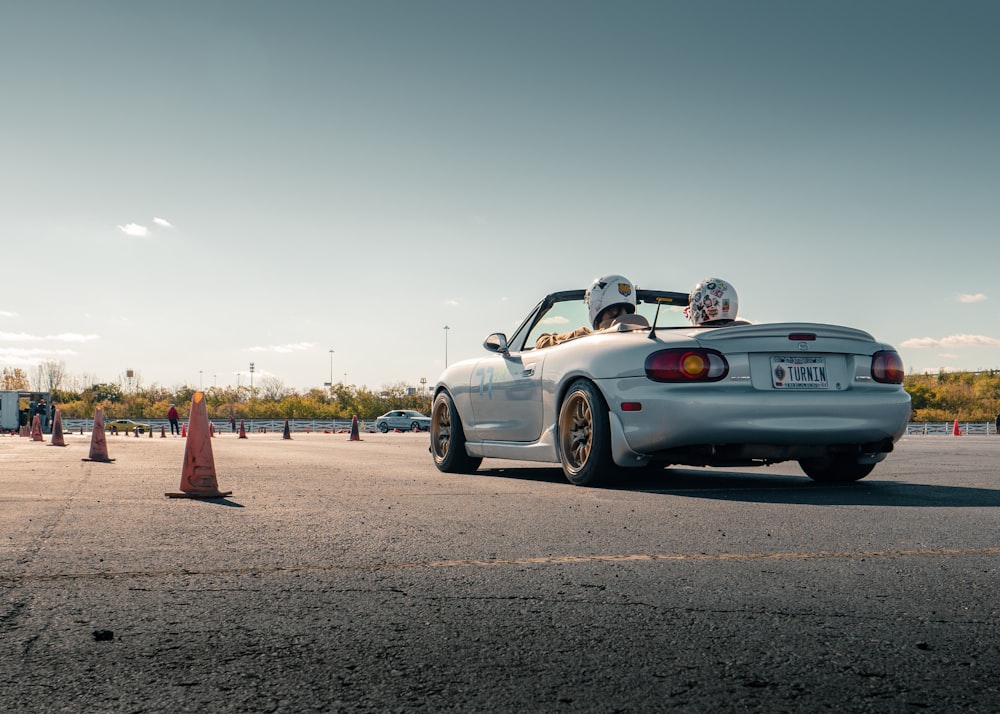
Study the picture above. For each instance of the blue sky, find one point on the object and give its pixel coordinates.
(187, 187)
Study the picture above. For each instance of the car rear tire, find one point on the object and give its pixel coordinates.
(838, 469)
(585, 436)
(383, 427)
(448, 438)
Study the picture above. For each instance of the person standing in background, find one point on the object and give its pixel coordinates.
(172, 416)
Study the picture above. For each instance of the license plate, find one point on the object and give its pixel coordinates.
(798, 372)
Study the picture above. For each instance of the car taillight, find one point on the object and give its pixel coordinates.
(887, 367)
(686, 365)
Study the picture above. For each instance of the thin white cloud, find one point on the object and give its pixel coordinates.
(20, 357)
(453, 303)
(948, 355)
(135, 230)
(951, 341)
(163, 222)
(64, 337)
(283, 349)
(978, 297)
(72, 337)
(555, 320)
(18, 337)
(5, 313)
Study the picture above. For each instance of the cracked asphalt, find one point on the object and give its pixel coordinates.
(354, 577)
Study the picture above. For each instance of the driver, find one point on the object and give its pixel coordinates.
(607, 299)
(712, 302)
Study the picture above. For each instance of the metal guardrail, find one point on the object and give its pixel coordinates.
(337, 425)
(931, 428)
(223, 426)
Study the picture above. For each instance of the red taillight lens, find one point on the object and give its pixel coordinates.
(887, 367)
(686, 365)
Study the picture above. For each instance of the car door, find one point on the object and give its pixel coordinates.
(506, 395)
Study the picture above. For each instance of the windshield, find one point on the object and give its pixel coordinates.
(567, 314)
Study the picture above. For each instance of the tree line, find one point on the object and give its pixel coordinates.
(270, 400)
(946, 396)
(966, 396)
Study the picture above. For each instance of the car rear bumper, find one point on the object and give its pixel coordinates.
(748, 421)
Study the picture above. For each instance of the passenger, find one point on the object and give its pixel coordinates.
(607, 298)
(712, 303)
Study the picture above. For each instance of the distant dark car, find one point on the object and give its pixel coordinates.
(404, 420)
(125, 425)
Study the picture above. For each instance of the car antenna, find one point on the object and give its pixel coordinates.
(652, 330)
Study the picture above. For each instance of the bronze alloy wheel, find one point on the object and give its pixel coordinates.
(585, 436)
(448, 438)
(576, 431)
(440, 429)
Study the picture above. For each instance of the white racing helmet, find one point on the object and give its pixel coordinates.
(712, 300)
(607, 291)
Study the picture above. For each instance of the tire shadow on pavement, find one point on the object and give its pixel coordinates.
(751, 487)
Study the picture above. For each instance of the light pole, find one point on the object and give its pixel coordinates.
(446, 328)
(239, 381)
(251, 396)
(199, 380)
(330, 383)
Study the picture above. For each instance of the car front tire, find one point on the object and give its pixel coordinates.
(448, 438)
(414, 426)
(838, 469)
(585, 436)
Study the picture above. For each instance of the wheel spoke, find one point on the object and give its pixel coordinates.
(577, 431)
(442, 430)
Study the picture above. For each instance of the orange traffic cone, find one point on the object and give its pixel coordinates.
(163, 432)
(198, 472)
(36, 429)
(287, 433)
(98, 440)
(211, 429)
(955, 431)
(57, 433)
(243, 430)
(184, 429)
(354, 429)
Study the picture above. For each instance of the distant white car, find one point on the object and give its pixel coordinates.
(829, 397)
(404, 420)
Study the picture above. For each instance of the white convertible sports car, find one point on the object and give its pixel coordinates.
(652, 389)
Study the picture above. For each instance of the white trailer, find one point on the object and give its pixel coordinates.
(10, 416)
(10, 407)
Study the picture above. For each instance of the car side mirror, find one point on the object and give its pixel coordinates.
(497, 342)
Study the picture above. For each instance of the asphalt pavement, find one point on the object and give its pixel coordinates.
(353, 576)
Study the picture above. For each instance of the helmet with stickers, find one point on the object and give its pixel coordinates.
(606, 292)
(712, 301)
